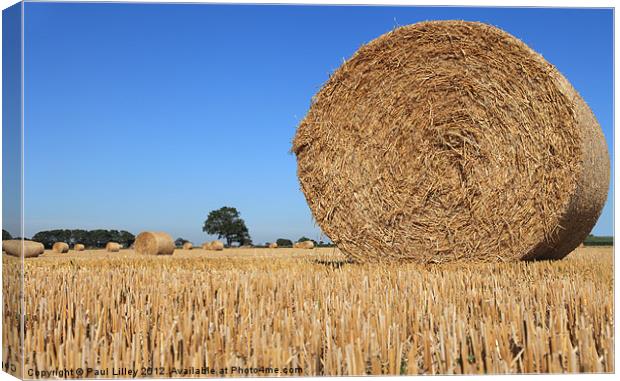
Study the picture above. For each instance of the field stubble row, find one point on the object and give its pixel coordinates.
(310, 309)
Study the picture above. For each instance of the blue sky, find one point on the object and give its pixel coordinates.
(146, 117)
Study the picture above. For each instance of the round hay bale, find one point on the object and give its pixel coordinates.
(216, 245)
(273, 245)
(78, 247)
(112, 247)
(154, 243)
(451, 141)
(60, 247)
(187, 246)
(304, 245)
(14, 248)
(206, 246)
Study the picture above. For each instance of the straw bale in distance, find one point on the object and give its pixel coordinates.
(206, 246)
(78, 247)
(60, 247)
(187, 246)
(14, 247)
(216, 245)
(273, 245)
(112, 247)
(304, 245)
(451, 141)
(154, 243)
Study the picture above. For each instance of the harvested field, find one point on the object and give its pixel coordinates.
(313, 313)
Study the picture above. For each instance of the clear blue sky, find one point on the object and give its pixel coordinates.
(146, 117)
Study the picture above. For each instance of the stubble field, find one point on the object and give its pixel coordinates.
(308, 312)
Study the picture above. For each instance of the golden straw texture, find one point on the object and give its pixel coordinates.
(304, 245)
(13, 247)
(112, 247)
(216, 245)
(451, 141)
(60, 247)
(154, 243)
(213, 245)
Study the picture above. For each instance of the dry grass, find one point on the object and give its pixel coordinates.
(312, 310)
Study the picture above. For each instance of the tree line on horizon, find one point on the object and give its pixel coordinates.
(225, 222)
(97, 238)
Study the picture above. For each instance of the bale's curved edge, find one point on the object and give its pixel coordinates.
(592, 185)
(572, 161)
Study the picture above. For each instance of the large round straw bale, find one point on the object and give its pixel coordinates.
(451, 141)
(60, 247)
(273, 245)
(216, 245)
(78, 247)
(112, 247)
(154, 243)
(187, 246)
(14, 248)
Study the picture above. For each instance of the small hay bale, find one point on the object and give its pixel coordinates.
(216, 245)
(154, 243)
(113, 247)
(60, 247)
(187, 246)
(78, 247)
(451, 141)
(304, 245)
(273, 245)
(13, 247)
(206, 246)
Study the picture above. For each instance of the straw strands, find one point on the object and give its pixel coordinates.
(154, 243)
(451, 141)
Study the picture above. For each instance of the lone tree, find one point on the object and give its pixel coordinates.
(226, 223)
(6, 235)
